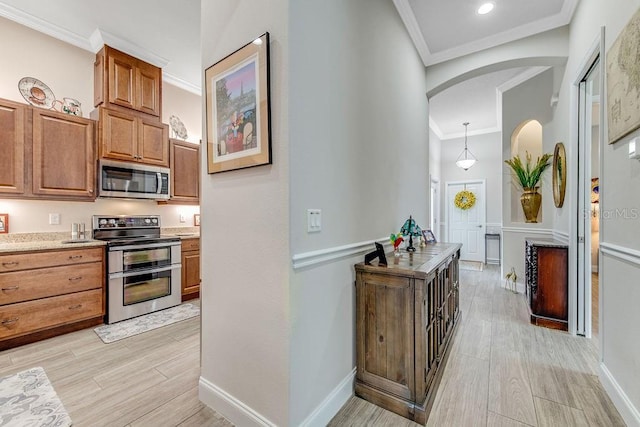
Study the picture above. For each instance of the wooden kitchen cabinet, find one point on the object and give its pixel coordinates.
(120, 80)
(46, 154)
(546, 277)
(185, 172)
(47, 293)
(190, 269)
(406, 315)
(12, 147)
(63, 155)
(126, 137)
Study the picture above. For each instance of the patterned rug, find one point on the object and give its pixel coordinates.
(471, 265)
(27, 399)
(148, 322)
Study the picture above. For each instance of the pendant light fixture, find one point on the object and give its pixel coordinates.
(465, 159)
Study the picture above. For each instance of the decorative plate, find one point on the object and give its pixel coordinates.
(36, 93)
(178, 127)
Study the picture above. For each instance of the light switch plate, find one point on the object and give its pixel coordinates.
(54, 219)
(314, 220)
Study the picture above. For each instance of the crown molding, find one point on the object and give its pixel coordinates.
(101, 37)
(44, 27)
(182, 84)
(476, 132)
(527, 74)
(435, 128)
(409, 18)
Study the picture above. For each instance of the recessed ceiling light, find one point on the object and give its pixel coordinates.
(486, 8)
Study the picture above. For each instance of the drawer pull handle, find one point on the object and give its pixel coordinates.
(11, 321)
(73, 279)
(75, 256)
(10, 264)
(11, 288)
(75, 307)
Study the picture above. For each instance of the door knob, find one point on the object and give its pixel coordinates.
(479, 226)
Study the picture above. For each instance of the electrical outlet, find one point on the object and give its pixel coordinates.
(183, 218)
(54, 219)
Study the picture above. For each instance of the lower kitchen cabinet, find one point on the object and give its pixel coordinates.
(190, 269)
(47, 293)
(406, 314)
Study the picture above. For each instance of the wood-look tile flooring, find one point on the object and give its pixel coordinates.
(145, 380)
(595, 309)
(505, 372)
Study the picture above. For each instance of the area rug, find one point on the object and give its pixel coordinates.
(471, 265)
(148, 322)
(27, 399)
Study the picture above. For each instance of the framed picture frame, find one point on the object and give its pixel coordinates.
(238, 113)
(428, 236)
(196, 220)
(4, 223)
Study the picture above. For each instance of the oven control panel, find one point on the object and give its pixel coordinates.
(126, 221)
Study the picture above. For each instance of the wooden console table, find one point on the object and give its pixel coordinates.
(546, 283)
(406, 314)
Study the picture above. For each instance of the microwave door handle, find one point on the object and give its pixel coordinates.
(159, 179)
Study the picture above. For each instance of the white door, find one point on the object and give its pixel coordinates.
(467, 226)
(434, 217)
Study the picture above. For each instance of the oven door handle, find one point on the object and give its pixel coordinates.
(145, 246)
(140, 272)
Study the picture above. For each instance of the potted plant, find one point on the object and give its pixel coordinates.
(528, 176)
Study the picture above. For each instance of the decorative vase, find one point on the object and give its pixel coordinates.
(531, 201)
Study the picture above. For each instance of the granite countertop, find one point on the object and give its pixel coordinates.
(23, 242)
(182, 232)
(548, 242)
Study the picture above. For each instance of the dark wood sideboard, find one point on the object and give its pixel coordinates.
(547, 279)
(406, 315)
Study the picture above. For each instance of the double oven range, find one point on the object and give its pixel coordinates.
(143, 268)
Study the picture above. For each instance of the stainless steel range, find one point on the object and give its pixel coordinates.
(143, 268)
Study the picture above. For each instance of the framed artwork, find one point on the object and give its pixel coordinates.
(623, 82)
(595, 190)
(4, 223)
(428, 236)
(238, 109)
(559, 174)
(196, 220)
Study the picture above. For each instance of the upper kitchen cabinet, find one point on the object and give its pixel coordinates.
(45, 154)
(121, 80)
(63, 155)
(185, 172)
(12, 143)
(132, 138)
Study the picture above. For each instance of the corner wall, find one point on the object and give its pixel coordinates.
(245, 239)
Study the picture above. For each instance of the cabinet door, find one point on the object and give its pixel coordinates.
(12, 140)
(153, 143)
(63, 155)
(122, 74)
(551, 297)
(385, 316)
(147, 89)
(190, 273)
(185, 172)
(118, 136)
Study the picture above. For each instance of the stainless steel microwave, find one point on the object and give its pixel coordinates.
(133, 181)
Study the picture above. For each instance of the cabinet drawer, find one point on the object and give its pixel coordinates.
(25, 317)
(28, 285)
(190, 245)
(25, 261)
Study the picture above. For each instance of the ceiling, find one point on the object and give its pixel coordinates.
(167, 33)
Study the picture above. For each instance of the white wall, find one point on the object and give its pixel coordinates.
(245, 239)
(359, 151)
(619, 232)
(68, 71)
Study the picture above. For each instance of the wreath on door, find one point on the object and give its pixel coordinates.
(465, 200)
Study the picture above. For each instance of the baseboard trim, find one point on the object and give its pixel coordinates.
(620, 400)
(322, 256)
(330, 406)
(229, 407)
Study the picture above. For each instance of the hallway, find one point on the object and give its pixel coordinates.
(505, 372)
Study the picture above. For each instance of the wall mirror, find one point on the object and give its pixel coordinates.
(559, 174)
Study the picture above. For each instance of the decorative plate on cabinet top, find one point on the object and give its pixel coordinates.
(36, 93)
(178, 127)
